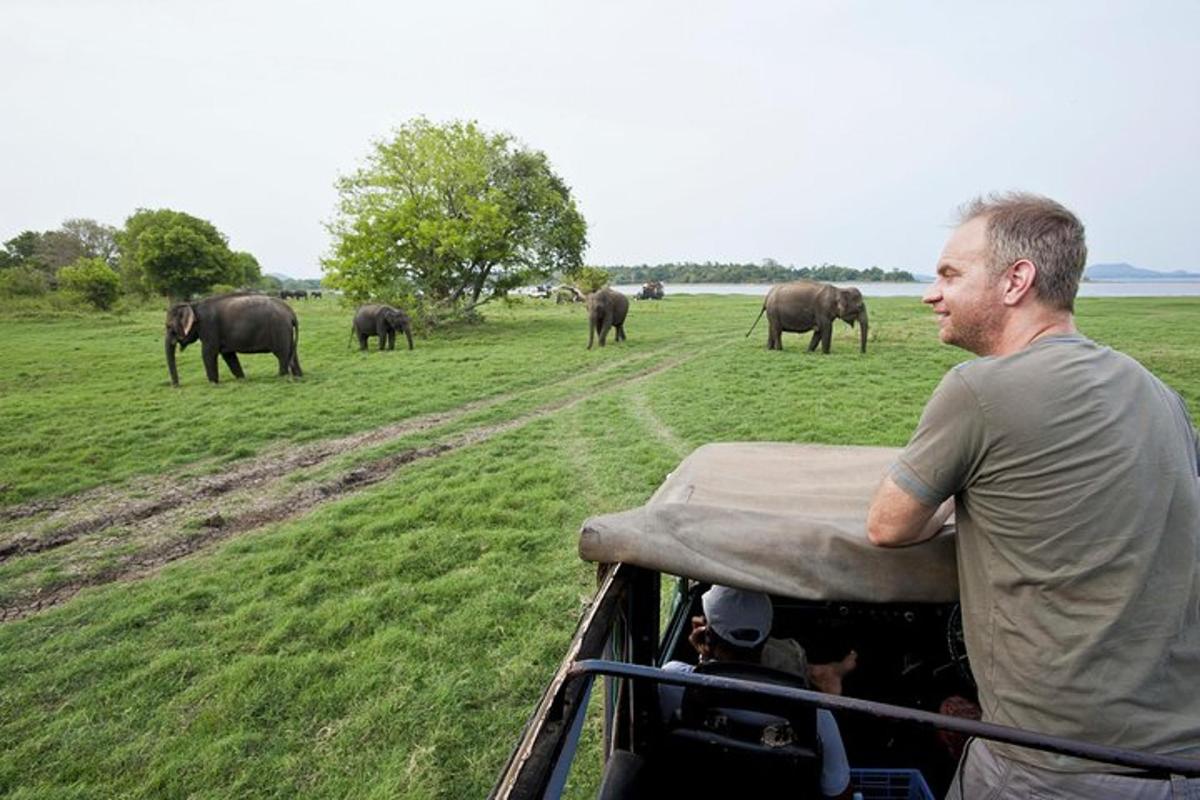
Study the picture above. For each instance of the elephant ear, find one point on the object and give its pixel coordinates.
(187, 318)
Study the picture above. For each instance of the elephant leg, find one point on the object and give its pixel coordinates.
(391, 338)
(208, 354)
(620, 333)
(816, 338)
(774, 336)
(362, 342)
(604, 328)
(285, 362)
(591, 333)
(235, 366)
(826, 337)
(295, 365)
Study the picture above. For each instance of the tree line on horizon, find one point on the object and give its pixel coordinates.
(157, 252)
(769, 271)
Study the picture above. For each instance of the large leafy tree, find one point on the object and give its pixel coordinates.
(452, 214)
(176, 254)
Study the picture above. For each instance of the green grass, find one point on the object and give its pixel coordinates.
(392, 642)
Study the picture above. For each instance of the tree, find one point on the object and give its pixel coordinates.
(452, 214)
(20, 250)
(249, 270)
(587, 279)
(93, 280)
(175, 254)
(57, 249)
(23, 281)
(96, 239)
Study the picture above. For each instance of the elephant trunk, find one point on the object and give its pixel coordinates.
(862, 331)
(169, 346)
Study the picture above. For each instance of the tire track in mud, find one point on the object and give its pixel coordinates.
(120, 507)
(260, 509)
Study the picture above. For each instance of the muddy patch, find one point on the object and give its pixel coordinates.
(270, 488)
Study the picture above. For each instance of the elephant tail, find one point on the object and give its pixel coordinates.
(756, 319)
(295, 359)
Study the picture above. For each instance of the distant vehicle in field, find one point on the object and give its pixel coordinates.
(651, 290)
(542, 291)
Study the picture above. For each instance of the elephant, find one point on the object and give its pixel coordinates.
(229, 324)
(606, 309)
(802, 306)
(383, 321)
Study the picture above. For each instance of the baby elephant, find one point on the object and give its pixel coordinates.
(383, 321)
(606, 310)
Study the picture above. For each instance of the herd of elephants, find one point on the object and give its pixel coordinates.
(245, 322)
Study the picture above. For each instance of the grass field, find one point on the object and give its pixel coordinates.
(356, 584)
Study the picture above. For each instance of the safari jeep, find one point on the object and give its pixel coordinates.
(788, 520)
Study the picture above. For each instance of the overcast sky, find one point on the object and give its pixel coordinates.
(806, 132)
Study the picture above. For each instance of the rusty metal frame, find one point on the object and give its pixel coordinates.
(622, 592)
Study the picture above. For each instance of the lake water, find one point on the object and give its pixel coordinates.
(880, 289)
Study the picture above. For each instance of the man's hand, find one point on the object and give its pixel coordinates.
(698, 640)
(897, 518)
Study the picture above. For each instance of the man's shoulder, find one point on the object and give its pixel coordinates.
(1044, 359)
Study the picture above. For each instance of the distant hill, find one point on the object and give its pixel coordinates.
(295, 283)
(1128, 272)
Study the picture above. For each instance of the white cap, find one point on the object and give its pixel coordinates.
(739, 617)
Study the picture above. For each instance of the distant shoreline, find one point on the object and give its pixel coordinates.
(1138, 288)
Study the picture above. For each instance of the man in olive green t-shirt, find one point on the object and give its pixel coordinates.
(1072, 474)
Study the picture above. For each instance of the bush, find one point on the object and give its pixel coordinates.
(23, 282)
(93, 280)
(588, 279)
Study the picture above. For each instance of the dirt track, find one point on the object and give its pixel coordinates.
(169, 517)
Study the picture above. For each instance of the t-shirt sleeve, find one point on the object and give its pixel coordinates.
(940, 457)
(835, 769)
(1191, 426)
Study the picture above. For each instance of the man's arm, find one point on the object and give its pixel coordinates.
(896, 518)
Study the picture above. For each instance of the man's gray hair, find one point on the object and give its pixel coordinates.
(1028, 226)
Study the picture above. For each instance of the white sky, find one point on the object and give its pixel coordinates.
(807, 132)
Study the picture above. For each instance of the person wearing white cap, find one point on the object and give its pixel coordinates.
(735, 628)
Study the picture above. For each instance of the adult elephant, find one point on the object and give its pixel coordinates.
(802, 306)
(606, 310)
(230, 324)
(375, 319)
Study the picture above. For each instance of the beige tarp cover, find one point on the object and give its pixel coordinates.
(789, 519)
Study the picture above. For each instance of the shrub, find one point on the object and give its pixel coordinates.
(588, 279)
(23, 282)
(93, 280)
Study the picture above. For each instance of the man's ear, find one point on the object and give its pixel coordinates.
(1018, 281)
